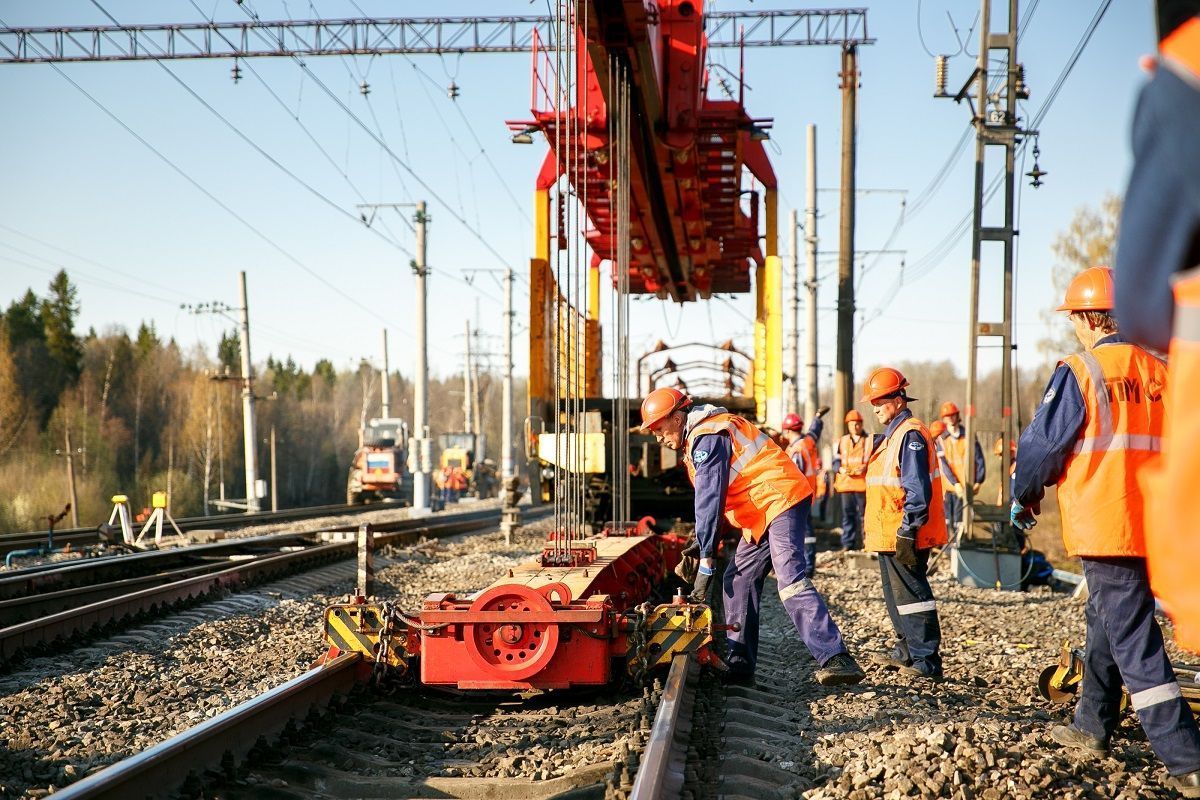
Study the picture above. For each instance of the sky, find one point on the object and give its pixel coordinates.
(141, 237)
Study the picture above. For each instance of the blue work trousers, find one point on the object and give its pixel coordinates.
(810, 545)
(953, 505)
(1125, 644)
(854, 505)
(782, 549)
(913, 611)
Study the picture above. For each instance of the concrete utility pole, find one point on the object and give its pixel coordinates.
(70, 454)
(811, 399)
(793, 341)
(424, 448)
(385, 391)
(274, 474)
(248, 439)
(843, 387)
(510, 518)
(467, 415)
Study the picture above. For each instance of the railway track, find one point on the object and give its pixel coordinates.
(332, 737)
(74, 608)
(85, 537)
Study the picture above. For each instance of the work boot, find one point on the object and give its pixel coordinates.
(888, 661)
(1187, 785)
(841, 670)
(916, 672)
(1072, 737)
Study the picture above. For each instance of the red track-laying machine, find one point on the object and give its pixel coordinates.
(582, 615)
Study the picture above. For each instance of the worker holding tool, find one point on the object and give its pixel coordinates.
(801, 448)
(850, 479)
(1097, 428)
(954, 464)
(739, 473)
(1158, 298)
(903, 522)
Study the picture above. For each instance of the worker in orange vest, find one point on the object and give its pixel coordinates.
(953, 449)
(903, 522)
(741, 475)
(850, 478)
(1096, 429)
(937, 429)
(801, 448)
(1158, 300)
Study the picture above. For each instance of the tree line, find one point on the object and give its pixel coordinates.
(143, 415)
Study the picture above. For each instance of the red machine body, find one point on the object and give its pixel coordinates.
(689, 232)
(546, 626)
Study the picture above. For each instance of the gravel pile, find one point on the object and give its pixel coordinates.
(983, 733)
(67, 715)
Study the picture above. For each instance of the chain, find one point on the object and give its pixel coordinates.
(387, 614)
(638, 650)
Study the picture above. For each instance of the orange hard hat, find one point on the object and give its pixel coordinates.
(882, 382)
(792, 422)
(937, 428)
(853, 416)
(660, 404)
(948, 409)
(1090, 290)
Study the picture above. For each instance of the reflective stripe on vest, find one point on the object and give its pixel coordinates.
(1172, 507)
(763, 482)
(885, 494)
(1099, 496)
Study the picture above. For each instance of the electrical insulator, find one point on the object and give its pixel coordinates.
(939, 83)
(452, 90)
(1021, 89)
(364, 88)
(236, 72)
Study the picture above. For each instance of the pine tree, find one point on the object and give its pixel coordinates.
(59, 311)
(229, 352)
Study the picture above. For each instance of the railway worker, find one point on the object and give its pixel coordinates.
(903, 522)
(937, 429)
(1158, 298)
(850, 478)
(801, 448)
(738, 472)
(1096, 429)
(954, 464)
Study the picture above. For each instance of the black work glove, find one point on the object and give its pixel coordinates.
(700, 587)
(689, 561)
(822, 411)
(906, 548)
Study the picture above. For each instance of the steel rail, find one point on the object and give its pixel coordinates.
(63, 625)
(85, 536)
(662, 764)
(161, 769)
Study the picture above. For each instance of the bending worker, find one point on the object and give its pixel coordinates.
(903, 523)
(954, 464)
(737, 470)
(1096, 429)
(850, 479)
(802, 450)
(1158, 298)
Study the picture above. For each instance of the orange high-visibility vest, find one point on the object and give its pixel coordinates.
(854, 462)
(763, 482)
(1098, 493)
(956, 453)
(1172, 531)
(885, 495)
(810, 461)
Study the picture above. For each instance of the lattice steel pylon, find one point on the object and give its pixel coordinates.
(996, 126)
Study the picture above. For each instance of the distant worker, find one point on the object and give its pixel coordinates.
(740, 473)
(801, 448)
(954, 464)
(458, 483)
(1158, 299)
(1096, 429)
(903, 522)
(442, 479)
(850, 479)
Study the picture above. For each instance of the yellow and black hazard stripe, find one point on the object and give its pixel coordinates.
(677, 629)
(356, 628)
